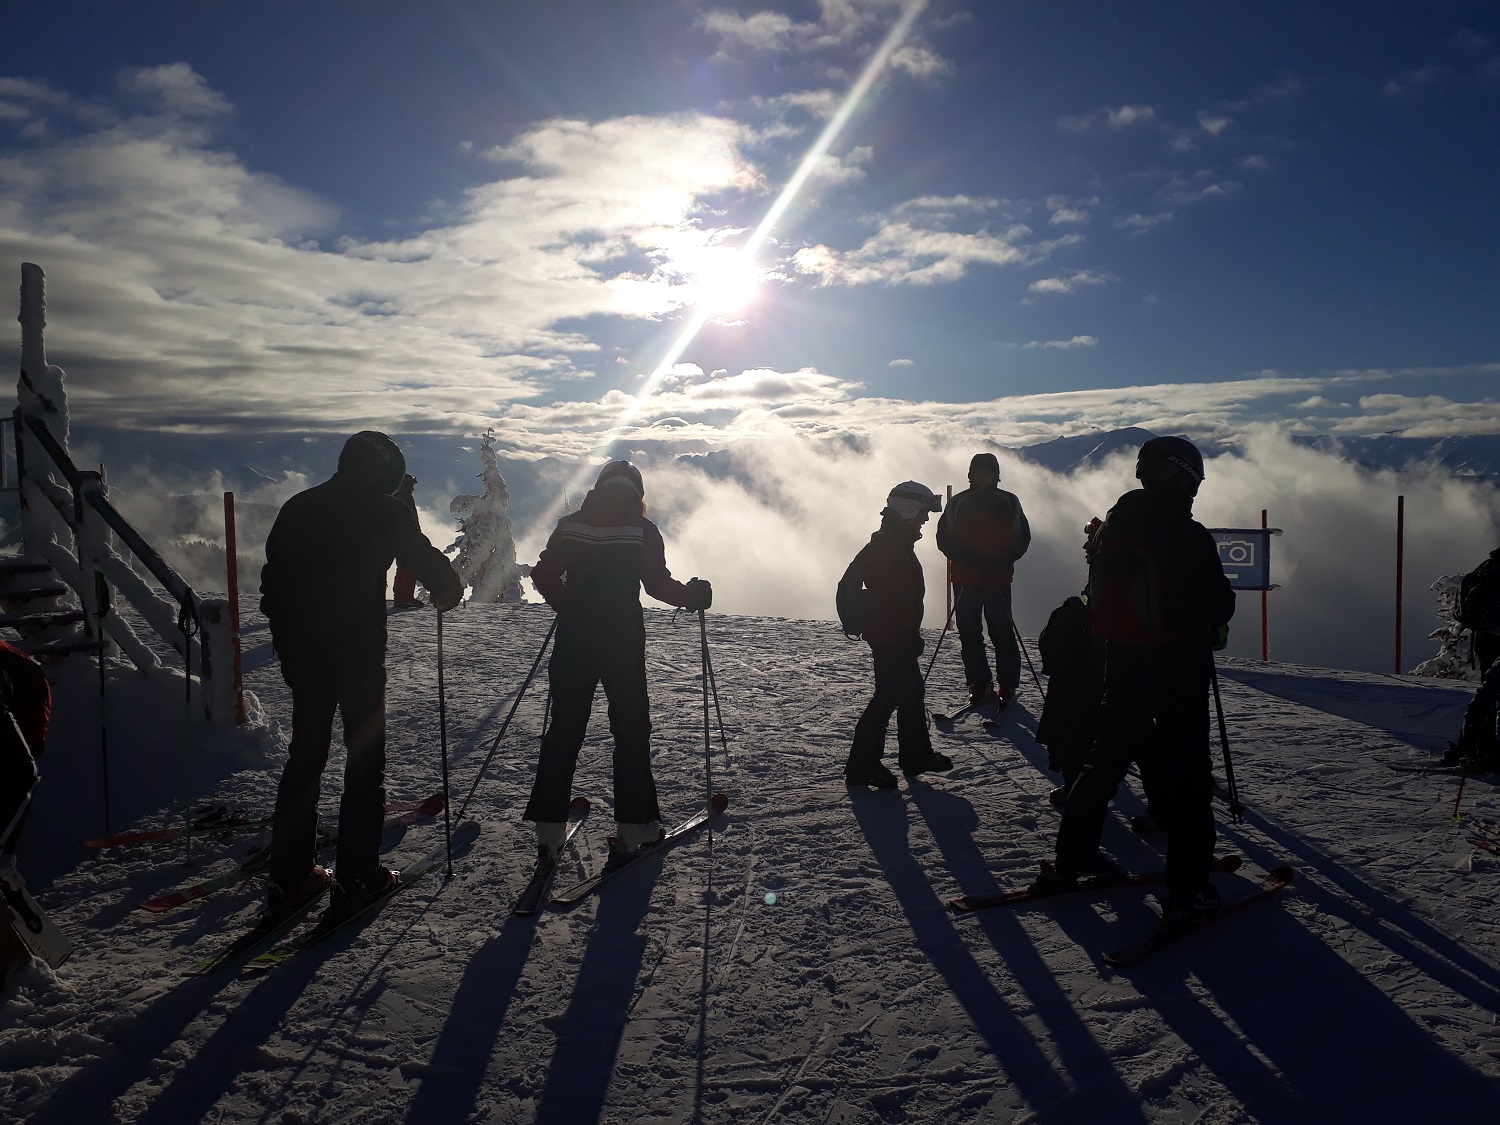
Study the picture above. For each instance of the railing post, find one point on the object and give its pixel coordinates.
(231, 554)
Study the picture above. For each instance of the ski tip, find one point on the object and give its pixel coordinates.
(580, 804)
(1281, 875)
(434, 804)
(719, 802)
(1230, 863)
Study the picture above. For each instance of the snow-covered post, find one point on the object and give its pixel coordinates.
(486, 542)
(216, 636)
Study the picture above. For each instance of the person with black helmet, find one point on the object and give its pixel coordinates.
(592, 571)
(984, 532)
(323, 592)
(1159, 598)
(880, 599)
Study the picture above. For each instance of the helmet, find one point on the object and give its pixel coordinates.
(372, 458)
(910, 499)
(984, 464)
(1169, 453)
(621, 474)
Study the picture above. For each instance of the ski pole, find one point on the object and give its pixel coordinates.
(1022, 645)
(1235, 808)
(526, 683)
(713, 687)
(443, 743)
(101, 607)
(708, 762)
(937, 648)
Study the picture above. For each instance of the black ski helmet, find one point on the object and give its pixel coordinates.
(986, 464)
(622, 473)
(372, 458)
(1177, 452)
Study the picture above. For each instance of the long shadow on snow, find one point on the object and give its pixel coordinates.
(90, 1093)
(1303, 1035)
(882, 818)
(1408, 711)
(1100, 1094)
(594, 1023)
(466, 1044)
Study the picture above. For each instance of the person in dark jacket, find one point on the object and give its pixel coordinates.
(592, 571)
(1160, 599)
(880, 598)
(1073, 662)
(323, 592)
(984, 532)
(404, 585)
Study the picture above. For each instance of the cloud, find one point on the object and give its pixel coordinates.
(1139, 223)
(1255, 162)
(920, 62)
(198, 292)
(1213, 123)
(1071, 283)
(1111, 117)
(1071, 342)
(839, 24)
(900, 363)
(913, 245)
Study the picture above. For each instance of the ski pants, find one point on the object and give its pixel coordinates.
(975, 607)
(356, 690)
(898, 690)
(18, 777)
(403, 586)
(1155, 714)
(615, 656)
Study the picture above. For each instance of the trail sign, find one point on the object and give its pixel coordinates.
(1245, 555)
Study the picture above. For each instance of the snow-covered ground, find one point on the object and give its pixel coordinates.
(797, 965)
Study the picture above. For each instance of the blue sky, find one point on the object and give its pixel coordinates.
(1042, 217)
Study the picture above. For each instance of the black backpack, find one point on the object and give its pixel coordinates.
(1479, 598)
(854, 602)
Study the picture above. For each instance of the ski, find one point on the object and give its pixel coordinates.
(541, 877)
(967, 904)
(996, 720)
(1275, 880)
(463, 835)
(37, 932)
(953, 716)
(267, 928)
(259, 859)
(1487, 843)
(208, 823)
(226, 820)
(581, 891)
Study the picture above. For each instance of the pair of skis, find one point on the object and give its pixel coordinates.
(989, 722)
(260, 858)
(218, 819)
(34, 930)
(1275, 880)
(273, 926)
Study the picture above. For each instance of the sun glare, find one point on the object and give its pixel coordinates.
(727, 286)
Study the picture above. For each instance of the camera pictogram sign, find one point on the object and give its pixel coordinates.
(1245, 555)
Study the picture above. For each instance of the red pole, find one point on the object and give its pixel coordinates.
(948, 565)
(234, 604)
(1400, 558)
(1265, 634)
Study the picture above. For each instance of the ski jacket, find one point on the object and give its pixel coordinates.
(599, 558)
(323, 585)
(984, 531)
(26, 693)
(888, 569)
(1154, 574)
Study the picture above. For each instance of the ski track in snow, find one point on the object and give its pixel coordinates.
(798, 963)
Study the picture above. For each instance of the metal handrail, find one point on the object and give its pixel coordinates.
(89, 487)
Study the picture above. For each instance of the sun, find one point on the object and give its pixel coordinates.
(725, 284)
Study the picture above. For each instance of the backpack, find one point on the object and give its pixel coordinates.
(1067, 642)
(1125, 593)
(854, 602)
(1478, 606)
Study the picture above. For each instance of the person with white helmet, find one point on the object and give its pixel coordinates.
(984, 532)
(880, 599)
(1159, 598)
(592, 572)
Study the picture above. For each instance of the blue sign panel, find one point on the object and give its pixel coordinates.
(1245, 554)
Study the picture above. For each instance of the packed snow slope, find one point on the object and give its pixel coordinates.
(798, 964)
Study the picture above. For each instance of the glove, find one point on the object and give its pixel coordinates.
(700, 594)
(1219, 638)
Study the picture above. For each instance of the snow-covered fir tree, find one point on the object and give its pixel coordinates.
(486, 542)
(1455, 655)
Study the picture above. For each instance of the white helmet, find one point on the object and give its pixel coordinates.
(911, 500)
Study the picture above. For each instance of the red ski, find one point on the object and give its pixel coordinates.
(1276, 880)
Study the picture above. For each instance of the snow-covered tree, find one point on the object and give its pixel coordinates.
(1454, 659)
(486, 542)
